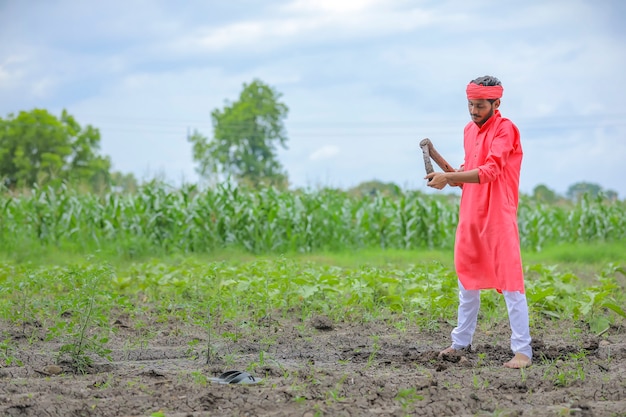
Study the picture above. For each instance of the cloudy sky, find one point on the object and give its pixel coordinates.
(364, 80)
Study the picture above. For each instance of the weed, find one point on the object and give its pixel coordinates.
(481, 359)
(229, 359)
(6, 353)
(523, 375)
(191, 350)
(407, 396)
(479, 383)
(375, 350)
(334, 395)
(82, 330)
(104, 384)
(562, 375)
(199, 378)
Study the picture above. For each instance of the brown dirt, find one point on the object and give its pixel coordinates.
(320, 367)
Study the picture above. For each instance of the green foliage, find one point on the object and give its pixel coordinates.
(561, 295)
(161, 220)
(580, 189)
(407, 397)
(39, 148)
(82, 324)
(75, 304)
(543, 194)
(126, 183)
(589, 220)
(564, 374)
(246, 135)
(8, 353)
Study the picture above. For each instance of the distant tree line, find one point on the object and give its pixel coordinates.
(575, 192)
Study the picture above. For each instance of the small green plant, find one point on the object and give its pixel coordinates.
(199, 378)
(334, 395)
(229, 359)
(85, 321)
(481, 359)
(6, 353)
(191, 350)
(563, 375)
(104, 384)
(374, 352)
(407, 396)
(479, 383)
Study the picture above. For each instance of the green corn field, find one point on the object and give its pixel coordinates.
(190, 220)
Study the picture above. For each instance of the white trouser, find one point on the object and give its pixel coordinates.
(469, 304)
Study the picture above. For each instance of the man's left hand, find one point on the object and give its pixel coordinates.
(436, 180)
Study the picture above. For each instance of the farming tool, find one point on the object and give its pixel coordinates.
(429, 152)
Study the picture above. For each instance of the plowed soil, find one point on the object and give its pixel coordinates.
(318, 368)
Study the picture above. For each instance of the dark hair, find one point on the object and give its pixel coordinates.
(487, 81)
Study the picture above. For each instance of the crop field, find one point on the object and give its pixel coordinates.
(336, 305)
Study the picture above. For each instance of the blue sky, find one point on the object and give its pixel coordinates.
(364, 80)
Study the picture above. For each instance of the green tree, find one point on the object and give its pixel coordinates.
(611, 195)
(125, 183)
(38, 148)
(543, 194)
(246, 136)
(576, 191)
(201, 152)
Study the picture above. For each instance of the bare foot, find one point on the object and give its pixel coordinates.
(447, 351)
(519, 361)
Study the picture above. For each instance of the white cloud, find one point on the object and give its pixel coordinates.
(325, 152)
(11, 71)
(306, 22)
(257, 35)
(331, 6)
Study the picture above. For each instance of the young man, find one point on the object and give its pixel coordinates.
(486, 251)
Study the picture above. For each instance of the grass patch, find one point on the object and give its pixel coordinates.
(396, 258)
(575, 254)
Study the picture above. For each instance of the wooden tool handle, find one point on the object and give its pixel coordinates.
(430, 152)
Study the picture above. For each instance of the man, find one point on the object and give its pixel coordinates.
(486, 251)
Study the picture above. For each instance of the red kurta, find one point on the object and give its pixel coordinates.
(487, 249)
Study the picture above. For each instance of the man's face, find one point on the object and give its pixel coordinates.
(481, 110)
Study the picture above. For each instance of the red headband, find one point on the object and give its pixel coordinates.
(475, 91)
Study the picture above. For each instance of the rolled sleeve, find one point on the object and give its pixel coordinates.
(502, 146)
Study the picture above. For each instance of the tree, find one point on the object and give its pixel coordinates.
(38, 148)
(201, 153)
(543, 194)
(576, 191)
(124, 183)
(611, 195)
(246, 135)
